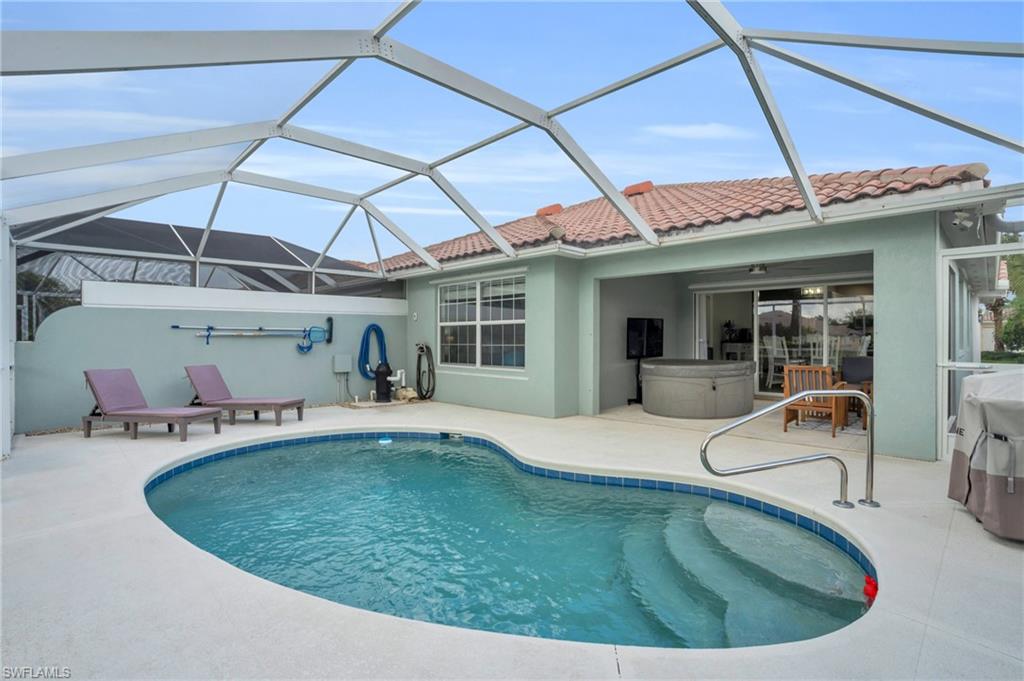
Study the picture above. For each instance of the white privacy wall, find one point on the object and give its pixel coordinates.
(129, 325)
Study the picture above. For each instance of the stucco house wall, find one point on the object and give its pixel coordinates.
(903, 250)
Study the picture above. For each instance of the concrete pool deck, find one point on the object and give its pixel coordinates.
(93, 581)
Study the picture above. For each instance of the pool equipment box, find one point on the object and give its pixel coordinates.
(342, 364)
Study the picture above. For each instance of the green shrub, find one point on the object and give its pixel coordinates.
(1002, 357)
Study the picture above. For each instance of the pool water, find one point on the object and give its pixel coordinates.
(449, 532)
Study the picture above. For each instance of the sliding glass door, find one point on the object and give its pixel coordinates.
(790, 325)
(851, 325)
(816, 324)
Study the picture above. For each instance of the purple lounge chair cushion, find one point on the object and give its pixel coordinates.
(209, 384)
(115, 389)
(211, 389)
(242, 402)
(168, 412)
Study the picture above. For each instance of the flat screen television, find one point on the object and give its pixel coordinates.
(644, 337)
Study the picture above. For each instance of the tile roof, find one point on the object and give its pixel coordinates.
(669, 208)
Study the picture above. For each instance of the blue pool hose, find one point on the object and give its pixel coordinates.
(365, 370)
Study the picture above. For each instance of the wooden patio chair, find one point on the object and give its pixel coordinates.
(800, 377)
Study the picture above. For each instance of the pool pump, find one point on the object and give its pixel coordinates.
(381, 376)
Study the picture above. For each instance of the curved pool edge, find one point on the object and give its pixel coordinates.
(783, 509)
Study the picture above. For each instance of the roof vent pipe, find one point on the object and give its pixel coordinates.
(638, 188)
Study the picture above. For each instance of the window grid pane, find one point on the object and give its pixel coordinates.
(483, 324)
(503, 299)
(458, 345)
(457, 303)
(503, 345)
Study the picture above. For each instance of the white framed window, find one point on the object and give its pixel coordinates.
(482, 323)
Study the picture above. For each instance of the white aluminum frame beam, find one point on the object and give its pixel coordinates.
(887, 96)
(564, 108)
(258, 132)
(972, 47)
(649, 72)
(280, 280)
(728, 29)
(399, 234)
(386, 25)
(58, 160)
(456, 197)
(327, 194)
(396, 15)
(389, 22)
(440, 73)
(293, 187)
(291, 253)
(366, 153)
(209, 226)
(355, 150)
(31, 53)
(341, 225)
(376, 249)
(98, 200)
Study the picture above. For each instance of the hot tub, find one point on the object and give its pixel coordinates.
(697, 389)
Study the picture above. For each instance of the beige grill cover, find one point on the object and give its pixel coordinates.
(987, 473)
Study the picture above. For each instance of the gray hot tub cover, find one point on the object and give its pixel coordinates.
(987, 472)
(695, 368)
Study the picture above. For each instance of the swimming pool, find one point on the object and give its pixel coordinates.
(445, 531)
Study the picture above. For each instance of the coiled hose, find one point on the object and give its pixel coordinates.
(426, 381)
(365, 370)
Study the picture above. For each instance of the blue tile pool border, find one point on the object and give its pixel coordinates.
(823, 531)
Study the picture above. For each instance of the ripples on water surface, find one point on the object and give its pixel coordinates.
(450, 532)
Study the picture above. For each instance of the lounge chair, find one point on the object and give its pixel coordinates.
(212, 391)
(119, 398)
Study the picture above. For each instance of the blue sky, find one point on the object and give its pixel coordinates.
(696, 122)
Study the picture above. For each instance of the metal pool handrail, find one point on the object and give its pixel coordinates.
(842, 501)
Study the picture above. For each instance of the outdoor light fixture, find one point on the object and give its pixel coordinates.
(758, 269)
(811, 291)
(963, 220)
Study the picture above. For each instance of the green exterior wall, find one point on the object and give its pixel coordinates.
(50, 391)
(548, 384)
(562, 376)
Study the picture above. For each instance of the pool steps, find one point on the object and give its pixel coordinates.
(685, 611)
(757, 540)
(755, 615)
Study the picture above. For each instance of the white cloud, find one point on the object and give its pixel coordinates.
(701, 131)
(512, 167)
(100, 82)
(693, 166)
(840, 107)
(978, 150)
(42, 120)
